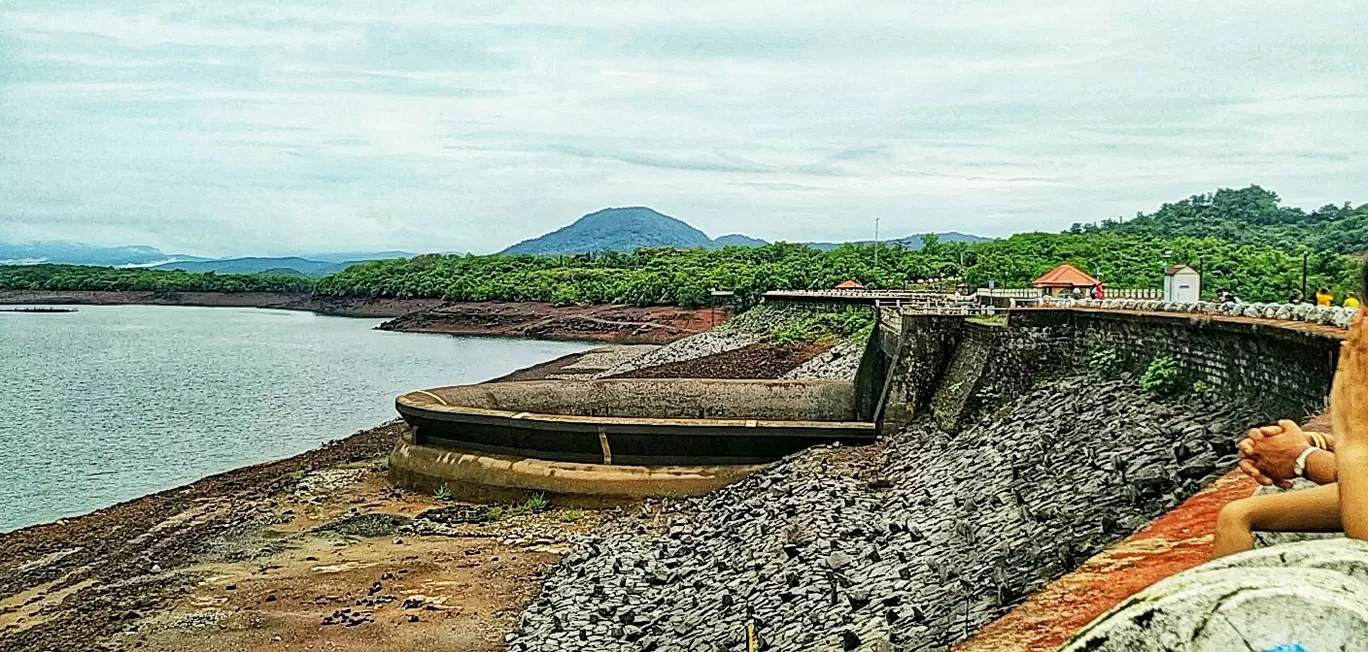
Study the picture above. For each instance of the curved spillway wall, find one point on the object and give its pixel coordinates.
(637, 422)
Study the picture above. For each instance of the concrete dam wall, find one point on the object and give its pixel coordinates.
(1013, 452)
(954, 368)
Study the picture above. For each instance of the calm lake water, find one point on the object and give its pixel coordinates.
(114, 402)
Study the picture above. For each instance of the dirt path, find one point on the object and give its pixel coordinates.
(316, 552)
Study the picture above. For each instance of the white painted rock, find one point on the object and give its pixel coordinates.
(1313, 595)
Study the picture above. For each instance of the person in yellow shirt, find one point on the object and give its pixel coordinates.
(1324, 297)
(1351, 301)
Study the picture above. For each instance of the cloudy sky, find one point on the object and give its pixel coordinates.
(300, 126)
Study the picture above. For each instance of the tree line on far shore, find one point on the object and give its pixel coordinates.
(84, 278)
(1253, 248)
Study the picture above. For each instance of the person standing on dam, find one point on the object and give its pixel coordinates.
(1338, 464)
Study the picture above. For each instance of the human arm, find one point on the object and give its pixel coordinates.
(1269, 455)
(1312, 510)
(1349, 412)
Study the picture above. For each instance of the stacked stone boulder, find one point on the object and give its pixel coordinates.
(1338, 316)
(914, 544)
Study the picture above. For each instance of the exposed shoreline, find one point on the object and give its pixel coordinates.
(141, 559)
(600, 323)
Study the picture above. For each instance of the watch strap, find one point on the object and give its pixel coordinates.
(1299, 469)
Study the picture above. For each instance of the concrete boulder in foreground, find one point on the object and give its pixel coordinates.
(1308, 596)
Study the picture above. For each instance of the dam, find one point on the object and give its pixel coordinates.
(1010, 453)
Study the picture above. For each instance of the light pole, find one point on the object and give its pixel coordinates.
(876, 244)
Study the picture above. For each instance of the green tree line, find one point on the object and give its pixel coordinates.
(83, 277)
(1242, 240)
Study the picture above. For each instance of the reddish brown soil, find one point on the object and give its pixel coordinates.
(754, 361)
(607, 323)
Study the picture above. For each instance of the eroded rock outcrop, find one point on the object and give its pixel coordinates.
(915, 543)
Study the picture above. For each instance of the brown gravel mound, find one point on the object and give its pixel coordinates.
(751, 362)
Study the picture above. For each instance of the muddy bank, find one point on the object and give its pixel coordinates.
(340, 306)
(607, 323)
(316, 551)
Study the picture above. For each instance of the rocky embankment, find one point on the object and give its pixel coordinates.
(744, 348)
(608, 323)
(915, 543)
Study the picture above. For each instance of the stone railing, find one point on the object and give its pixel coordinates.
(1327, 315)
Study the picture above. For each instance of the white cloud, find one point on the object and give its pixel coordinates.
(258, 127)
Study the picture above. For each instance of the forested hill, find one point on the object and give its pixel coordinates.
(615, 229)
(1250, 215)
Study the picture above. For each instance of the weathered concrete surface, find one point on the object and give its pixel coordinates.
(484, 477)
(691, 398)
(1313, 594)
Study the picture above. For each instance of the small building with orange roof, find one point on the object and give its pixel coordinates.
(849, 285)
(1063, 280)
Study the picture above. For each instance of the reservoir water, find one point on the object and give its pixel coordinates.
(115, 402)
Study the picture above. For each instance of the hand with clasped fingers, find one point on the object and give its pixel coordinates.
(1269, 455)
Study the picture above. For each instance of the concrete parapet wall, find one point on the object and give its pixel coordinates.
(690, 398)
(956, 367)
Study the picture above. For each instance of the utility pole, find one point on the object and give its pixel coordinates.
(876, 244)
(1304, 254)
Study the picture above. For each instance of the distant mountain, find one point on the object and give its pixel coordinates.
(737, 239)
(911, 241)
(353, 256)
(615, 229)
(302, 266)
(73, 253)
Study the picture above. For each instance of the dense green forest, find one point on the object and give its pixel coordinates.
(82, 277)
(1249, 215)
(1242, 240)
(684, 277)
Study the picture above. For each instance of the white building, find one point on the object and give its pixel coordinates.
(1182, 284)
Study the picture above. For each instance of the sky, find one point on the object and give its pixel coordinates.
(288, 126)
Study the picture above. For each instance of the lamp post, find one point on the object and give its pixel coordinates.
(876, 245)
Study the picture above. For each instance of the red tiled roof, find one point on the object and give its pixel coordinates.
(1065, 275)
(849, 285)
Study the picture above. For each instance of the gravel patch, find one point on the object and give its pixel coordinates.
(704, 344)
(840, 363)
(608, 357)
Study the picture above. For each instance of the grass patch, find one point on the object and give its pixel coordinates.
(443, 494)
(825, 326)
(537, 504)
(494, 513)
(571, 515)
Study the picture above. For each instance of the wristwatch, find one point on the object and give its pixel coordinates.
(1299, 469)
